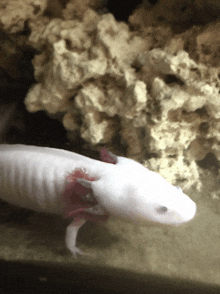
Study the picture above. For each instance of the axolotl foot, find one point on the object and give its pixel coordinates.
(76, 251)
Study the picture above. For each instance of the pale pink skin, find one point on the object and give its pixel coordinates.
(35, 178)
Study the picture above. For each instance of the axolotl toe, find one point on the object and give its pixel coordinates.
(62, 182)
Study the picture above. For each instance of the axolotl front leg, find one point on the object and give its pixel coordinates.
(71, 235)
(80, 205)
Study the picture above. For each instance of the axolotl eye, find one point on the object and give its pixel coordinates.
(162, 209)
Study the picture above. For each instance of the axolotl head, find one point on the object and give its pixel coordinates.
(129, 190)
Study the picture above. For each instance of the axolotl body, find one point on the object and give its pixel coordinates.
(62, 182)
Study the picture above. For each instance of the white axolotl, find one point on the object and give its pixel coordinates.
(62, 182)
